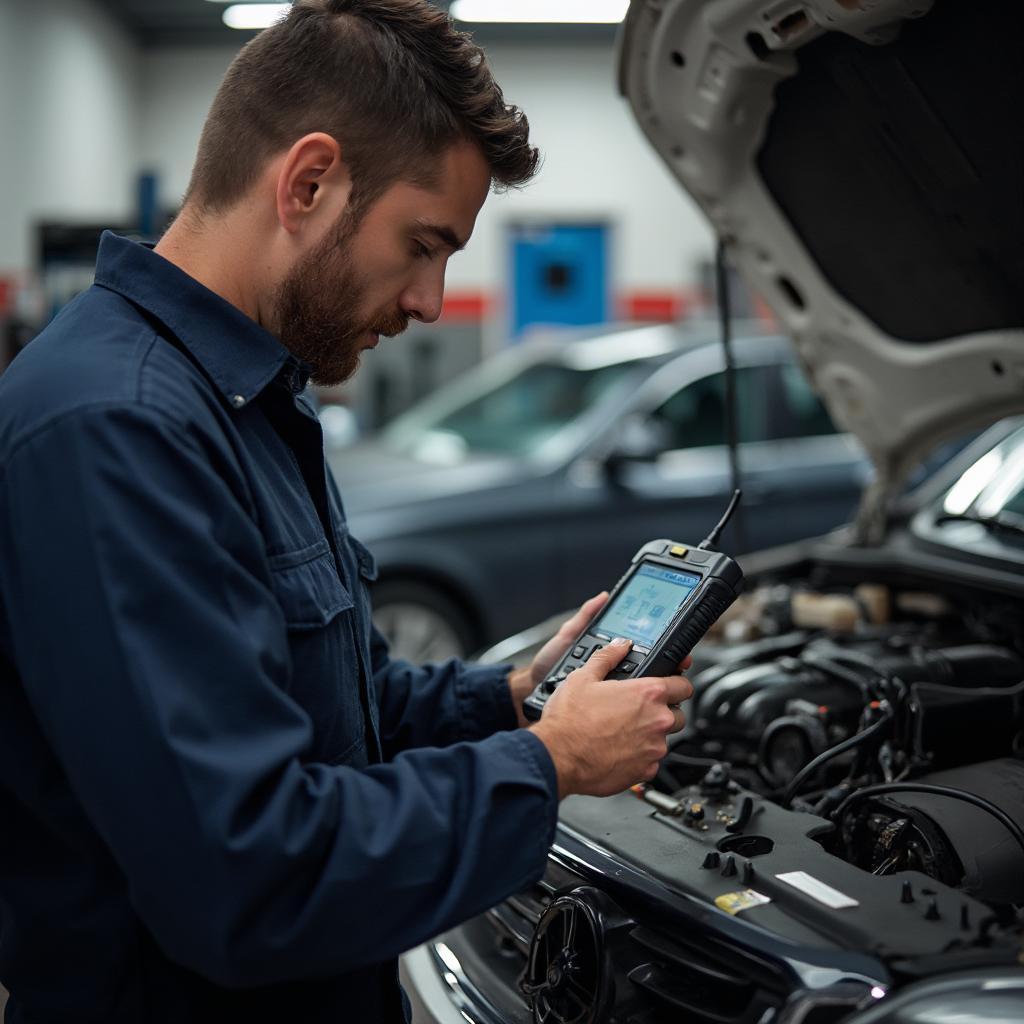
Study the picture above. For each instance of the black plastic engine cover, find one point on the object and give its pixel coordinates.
(879, 922)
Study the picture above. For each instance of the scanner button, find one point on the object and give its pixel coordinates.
(578, 652)
(678, 551)
(699, 556)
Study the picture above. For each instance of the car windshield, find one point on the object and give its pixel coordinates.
(513, 416)
(988, 498)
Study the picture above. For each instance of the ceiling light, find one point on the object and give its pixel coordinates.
(254, 15)
(581, 12)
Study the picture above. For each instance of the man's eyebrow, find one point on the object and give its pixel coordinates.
(443, 232)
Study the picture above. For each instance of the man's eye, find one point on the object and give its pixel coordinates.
(420, 250)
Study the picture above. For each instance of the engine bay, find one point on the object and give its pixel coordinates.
(835, 833)
(851, 773)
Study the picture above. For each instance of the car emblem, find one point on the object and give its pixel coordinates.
(565, 980)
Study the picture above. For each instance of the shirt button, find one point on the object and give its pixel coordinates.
(238, 401)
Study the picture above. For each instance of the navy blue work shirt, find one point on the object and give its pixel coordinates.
(220, 799)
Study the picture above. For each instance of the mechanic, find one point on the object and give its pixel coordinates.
(221, 800)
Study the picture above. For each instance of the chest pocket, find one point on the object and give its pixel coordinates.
(325, 681)
(307, 586)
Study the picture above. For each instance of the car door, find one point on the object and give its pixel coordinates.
(615, 505)
(794, 485)
(802, 477)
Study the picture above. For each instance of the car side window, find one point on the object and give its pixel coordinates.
(523, 412)
(799, 411)
(694, 417)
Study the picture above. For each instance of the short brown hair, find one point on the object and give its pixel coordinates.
(391, 80)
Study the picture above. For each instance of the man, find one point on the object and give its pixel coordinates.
(221, 800)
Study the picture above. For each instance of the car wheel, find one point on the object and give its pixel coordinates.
(421, 623)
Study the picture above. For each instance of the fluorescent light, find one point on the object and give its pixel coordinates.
(254, 15)
(587, 12)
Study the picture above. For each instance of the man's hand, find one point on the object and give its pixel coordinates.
(523, 681)
(606, 735)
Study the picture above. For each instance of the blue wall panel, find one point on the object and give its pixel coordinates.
(559, 274)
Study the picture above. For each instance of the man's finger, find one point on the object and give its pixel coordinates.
(686, 663)
(601, 662)
(680, 721)
(677, 689)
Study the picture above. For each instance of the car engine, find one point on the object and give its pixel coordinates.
(836, 830)
(847, 705)
(850, 778)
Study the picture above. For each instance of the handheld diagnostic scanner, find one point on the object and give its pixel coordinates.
(667, 600)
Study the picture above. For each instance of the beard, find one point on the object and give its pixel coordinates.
(317, 308)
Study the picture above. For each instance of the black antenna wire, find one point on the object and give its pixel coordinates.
(731, 432)
(712, 537)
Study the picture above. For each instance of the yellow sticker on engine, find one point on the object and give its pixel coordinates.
(734, 902)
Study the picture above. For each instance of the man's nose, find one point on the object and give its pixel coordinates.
(423, 300)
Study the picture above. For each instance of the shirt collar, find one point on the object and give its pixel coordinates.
(239, 356)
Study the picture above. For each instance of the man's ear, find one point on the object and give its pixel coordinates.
(313, 182)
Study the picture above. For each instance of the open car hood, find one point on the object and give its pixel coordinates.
(863, 161)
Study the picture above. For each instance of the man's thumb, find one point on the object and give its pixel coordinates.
(602, 661)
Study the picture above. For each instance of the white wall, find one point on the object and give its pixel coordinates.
(87, 111)
(69, 117)
(178, 86)
(596, 163)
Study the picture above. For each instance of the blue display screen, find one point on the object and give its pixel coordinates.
(647, 604)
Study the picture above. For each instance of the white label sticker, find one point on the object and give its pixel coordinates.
(819, 891)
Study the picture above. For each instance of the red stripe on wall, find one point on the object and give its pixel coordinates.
(465, 307)
(472, 307)
(652, 305)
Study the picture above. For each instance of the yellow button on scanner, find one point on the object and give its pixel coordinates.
(679, 551)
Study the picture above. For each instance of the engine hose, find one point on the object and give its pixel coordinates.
(826, 755)
(892, 685)
(824, 663)
(893, 688)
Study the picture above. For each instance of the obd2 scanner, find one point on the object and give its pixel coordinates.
(666, 601)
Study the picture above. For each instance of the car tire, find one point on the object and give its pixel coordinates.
(422, 623)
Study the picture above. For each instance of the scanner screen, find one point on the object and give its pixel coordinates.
(647, 604)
